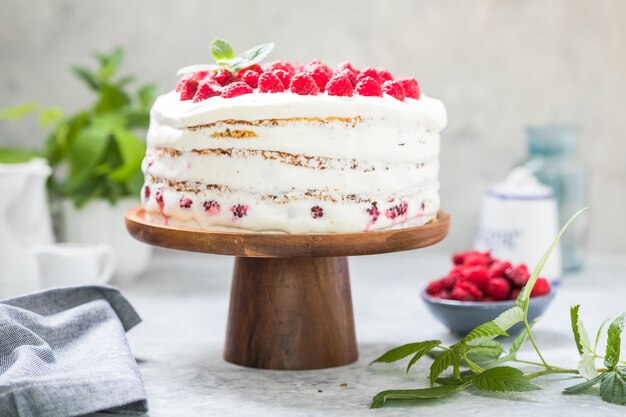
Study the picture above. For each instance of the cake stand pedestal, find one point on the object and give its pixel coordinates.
(290, 303)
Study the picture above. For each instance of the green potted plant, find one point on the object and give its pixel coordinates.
(96, 155)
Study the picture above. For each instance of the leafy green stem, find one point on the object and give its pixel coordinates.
(532, 341)
(551, 371)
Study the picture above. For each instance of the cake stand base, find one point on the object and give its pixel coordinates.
(291, 306)
(291, 313)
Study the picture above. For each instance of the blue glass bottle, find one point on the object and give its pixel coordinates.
(552, 152)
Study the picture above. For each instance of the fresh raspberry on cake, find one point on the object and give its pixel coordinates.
(303, 85)
(369, 72)
(498, 289)
(347, 70)
(206, 90)
(279, 65)
(384, 75)
(410, 86)
(194, 76)
(368, 86)
(236, 89)
(319, 75)
(284, 77)
(224, 77)
(188, 89)
(270, 83)
(339, 85)
(316, 63)
(256, 68)
(394, 89)
(542, 287)
(251, 78)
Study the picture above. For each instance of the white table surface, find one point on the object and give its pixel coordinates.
(183, 300)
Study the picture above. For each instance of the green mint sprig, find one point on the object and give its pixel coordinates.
(477, 361)
(225, 58)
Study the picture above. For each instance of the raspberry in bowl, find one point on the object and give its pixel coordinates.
(478, 288)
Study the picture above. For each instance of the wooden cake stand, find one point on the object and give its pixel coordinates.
(290, 304)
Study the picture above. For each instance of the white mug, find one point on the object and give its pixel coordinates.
(68, 264)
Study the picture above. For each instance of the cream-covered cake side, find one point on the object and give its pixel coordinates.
(293, 163)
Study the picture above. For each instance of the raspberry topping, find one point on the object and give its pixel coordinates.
(304, 85)
(224, 77)
(369, 72)
(184, 202)
(284, 77)
(347, 70)
(251, 78)
(239, 211)
(256, 68)
(206, 90)
(368, 86)
(394, 89)
(211, 207)
(316, 63)
(410, 86)
(339, 85)
(317, 212)
(236, 89)
(280, 65)
(270, 83)
(196, 76)
(320, 75)
(188, 89)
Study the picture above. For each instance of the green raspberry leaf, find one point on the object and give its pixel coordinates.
(403, 351)
(577, 389)
(427, 347)
(444, 361)
(503, 378)
(613, 386)
(483, 333)
(613, 344)
(384, 397)
(486, 353)
(252, 56)
(573, 312)
(220, 49)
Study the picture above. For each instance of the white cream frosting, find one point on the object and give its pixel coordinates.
(358, 150)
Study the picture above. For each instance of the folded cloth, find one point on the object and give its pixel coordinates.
(63, 352)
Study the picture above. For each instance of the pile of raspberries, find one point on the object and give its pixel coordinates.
(477, 276)
(310, 79)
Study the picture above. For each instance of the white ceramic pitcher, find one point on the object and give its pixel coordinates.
(24, 222)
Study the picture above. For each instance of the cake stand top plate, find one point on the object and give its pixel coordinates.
(275, 245)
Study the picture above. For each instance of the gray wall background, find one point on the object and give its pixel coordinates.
(497, 65)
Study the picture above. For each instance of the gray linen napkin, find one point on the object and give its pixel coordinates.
(63, 352)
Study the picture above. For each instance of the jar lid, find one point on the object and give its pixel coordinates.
(521, 184)
(552, 140)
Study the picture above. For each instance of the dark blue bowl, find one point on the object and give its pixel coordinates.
(461, 317)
